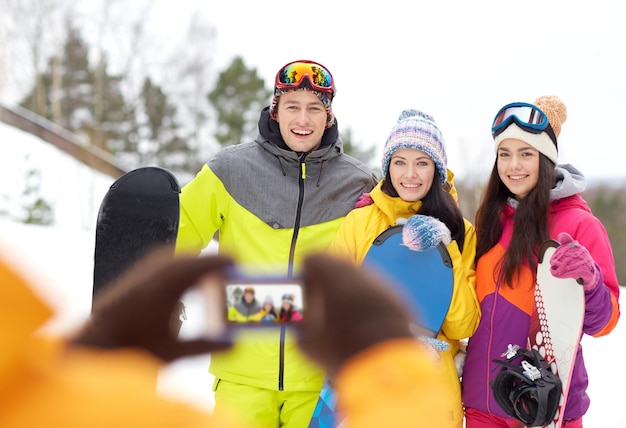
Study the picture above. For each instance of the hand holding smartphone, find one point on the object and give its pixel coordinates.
(247, 301)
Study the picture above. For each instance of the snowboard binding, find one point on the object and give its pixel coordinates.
(526, 388)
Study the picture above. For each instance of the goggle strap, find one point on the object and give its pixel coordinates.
(306, 83)
(552, 136)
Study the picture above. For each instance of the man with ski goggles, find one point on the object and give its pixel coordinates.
(307, 75)
(270, 200)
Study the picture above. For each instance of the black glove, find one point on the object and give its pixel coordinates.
(138, 309)
(348, 310)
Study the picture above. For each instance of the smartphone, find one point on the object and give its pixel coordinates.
(221, 309)
(263, 302)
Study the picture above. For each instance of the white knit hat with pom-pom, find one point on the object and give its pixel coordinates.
(556, 112)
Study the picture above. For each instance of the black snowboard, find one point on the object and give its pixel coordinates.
(139, 212)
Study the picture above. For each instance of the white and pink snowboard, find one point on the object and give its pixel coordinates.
(556, 324)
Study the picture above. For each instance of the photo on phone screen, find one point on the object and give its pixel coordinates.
(264, 304)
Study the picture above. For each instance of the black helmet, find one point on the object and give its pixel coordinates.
(526, 388)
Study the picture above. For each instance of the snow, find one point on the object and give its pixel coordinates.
(59, 261)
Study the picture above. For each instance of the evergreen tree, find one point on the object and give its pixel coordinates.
(112, 119)
(238, 97)
(36, 209)
(76, 83)
(67, 86)
(161, 144)
(83, 100)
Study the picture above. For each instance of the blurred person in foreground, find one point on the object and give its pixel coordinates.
(103, 376)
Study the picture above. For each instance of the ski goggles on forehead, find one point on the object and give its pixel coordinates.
(527, 116)
(293, 76)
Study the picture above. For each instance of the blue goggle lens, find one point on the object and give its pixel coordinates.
(527, 116)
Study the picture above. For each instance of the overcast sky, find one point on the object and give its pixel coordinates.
(457, 60)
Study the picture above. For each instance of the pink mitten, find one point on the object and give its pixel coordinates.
(363, 201)
(572, 260)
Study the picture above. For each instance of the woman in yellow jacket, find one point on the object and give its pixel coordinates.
(417, 183)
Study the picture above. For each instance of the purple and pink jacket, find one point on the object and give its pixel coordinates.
(506, 311)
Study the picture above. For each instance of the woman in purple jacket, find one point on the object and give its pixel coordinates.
(527, 200)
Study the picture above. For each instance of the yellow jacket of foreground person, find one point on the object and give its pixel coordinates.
(396, 383)
(354, 239)
(45, 382)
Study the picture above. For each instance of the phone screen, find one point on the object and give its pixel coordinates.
(264, 304)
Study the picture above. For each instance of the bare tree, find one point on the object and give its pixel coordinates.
(191, 80)
(119, 57)
(32, 31)
(4, 22)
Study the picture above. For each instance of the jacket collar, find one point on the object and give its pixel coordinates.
(393, 207)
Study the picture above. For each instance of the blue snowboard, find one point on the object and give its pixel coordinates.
(324, 413)
(425, 281)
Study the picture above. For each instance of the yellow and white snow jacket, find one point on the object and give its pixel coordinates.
(271, 206)
(363, 225)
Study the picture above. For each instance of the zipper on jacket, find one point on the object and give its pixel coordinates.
(296, 226)
(292, 252)
(281, 360)
(491, 321)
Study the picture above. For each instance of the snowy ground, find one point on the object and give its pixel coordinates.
(59, 260)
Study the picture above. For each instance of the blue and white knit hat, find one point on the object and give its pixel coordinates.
(417, 130)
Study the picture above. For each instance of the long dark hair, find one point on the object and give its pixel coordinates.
(530, 226)
(438, 203)
(272, 311)
(286, 314)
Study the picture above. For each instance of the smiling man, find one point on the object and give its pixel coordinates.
(273, 201)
